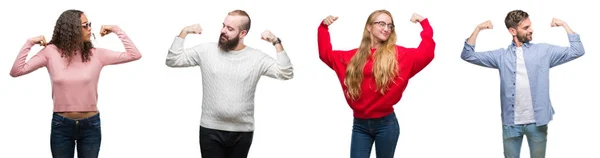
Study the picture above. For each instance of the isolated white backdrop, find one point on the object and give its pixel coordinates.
(450, 109)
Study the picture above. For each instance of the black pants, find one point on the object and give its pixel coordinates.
(224, 144)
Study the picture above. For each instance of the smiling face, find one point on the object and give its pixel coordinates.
(380, 27)
(523, 32)
(518, 24)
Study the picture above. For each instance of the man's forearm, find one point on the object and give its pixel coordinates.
(473, 38)
(279, 47)
(182, 34)
(568, 29)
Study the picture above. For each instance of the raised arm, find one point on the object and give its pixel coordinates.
(487, 58)
(109, 57)
(424, 54)
(23, 67)
(326, 52)
(560, 55)
(281, 68)
(179, 56)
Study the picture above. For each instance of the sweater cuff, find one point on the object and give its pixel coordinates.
(425, 22)
(177, 43)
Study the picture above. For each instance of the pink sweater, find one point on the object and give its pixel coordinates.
(74, 87)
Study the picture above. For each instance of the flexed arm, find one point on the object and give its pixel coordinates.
(109, 57)
(179, 56)
(424, 54)
(326, 52)
(487, 58)
(21, 66)
(282, 67)
(560, 55)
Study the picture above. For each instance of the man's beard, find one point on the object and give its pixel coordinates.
(228, 45)
(523, 38)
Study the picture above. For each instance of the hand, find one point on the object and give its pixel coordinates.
(268, 36)
(485, 25)
(194, 29)
(557, 22)
(416, 18)
(39, 40)
(329, 20)
(106, 29)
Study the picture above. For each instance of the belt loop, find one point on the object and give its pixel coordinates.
(62, 118)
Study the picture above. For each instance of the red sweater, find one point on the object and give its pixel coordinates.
(372, 104)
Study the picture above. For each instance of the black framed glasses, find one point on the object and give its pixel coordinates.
(87, 25)
(382, 24)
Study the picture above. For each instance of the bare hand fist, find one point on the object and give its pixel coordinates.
(416, 18)
(485, 25)
(329, 20)
(106, 29)
(268, 36)
(557, 22)
(194, 29)
(39, 40)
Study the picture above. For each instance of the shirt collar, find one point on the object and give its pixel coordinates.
(526, 44)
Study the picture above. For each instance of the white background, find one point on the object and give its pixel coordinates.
(450, 109)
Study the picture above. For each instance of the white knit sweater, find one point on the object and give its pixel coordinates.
(229, 81)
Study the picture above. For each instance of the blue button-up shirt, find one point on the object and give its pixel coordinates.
(539, 58)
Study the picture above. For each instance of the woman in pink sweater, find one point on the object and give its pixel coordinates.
(74, 66)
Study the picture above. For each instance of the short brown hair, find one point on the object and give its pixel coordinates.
(245, 26)
(514, 18)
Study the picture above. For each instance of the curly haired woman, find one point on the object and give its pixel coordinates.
(74, 66)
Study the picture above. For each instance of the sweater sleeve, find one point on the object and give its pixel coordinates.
(326, 53)
(179, 56)
(23, 67)
(109, 57)
(424, 54)
(281, 68)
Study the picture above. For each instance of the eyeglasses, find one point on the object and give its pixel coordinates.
(87, 25)
(382, 24)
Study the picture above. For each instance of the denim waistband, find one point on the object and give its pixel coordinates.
(56, 116)
(387, 118)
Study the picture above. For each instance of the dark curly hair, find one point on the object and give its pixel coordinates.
(68, 38)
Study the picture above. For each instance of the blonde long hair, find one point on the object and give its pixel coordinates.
(385, 66)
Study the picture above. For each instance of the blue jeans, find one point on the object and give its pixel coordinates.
(66, 133)
(383, 131)
(536, 138)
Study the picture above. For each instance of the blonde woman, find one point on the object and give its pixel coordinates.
(374, 76)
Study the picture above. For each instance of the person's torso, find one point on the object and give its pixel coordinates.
(74, 83)
(372, 103)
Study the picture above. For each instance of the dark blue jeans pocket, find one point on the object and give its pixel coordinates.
(57, 121)
(95, 123)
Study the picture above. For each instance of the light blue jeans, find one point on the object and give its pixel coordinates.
(536, 138)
